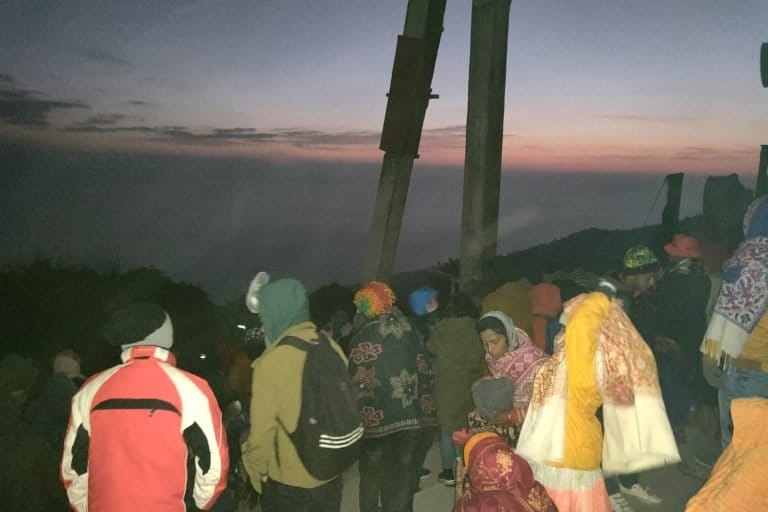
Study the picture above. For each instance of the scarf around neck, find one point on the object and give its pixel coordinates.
(743, 298)
(520, 365)
(599, 359)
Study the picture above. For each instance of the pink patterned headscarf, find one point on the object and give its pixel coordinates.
(519, 364)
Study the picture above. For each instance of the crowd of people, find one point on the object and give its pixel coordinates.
(548, 397)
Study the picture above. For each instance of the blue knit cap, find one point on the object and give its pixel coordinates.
(420, 298)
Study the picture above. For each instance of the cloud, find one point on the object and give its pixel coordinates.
(24, 108)
(138, 103)
(709, 153)
(315, 139)
(458, 129)
(6, 78)
(319, 139)
(175, 133)
(306, 139)
(106, 57)
(104, 119)
(238, 133)
(644, 119)
(83, 128)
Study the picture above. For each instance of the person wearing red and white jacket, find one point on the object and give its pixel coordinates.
(134, 427)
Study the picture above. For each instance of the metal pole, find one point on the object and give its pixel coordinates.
(485, 125)
(670, 216)
(409, 94)
(762, 173)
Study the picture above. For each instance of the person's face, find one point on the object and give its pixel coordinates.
(641, 284)
(495, 344)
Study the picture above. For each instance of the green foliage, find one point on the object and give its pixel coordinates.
(46, 308)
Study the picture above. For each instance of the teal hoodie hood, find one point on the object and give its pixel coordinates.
(282, 304)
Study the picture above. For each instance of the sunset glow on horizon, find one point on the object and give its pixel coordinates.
(619, 87)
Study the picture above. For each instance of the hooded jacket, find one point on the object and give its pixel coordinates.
(460, 362)
(276, 388)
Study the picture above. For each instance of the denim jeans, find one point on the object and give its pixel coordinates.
(387, 472)
(277, 497)
(738, 383)
(447, 450)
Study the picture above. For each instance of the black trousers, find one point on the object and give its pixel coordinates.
(427, 437)
(277, 497)
(387, 472)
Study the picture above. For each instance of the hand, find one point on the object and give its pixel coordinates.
(666, 345)
(503, 419)
(264, 478)
(712, 372)
(460, 437)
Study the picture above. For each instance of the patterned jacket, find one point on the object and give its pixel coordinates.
(131, 431)
(386, 362)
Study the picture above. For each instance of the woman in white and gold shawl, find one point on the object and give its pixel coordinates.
(599, 360)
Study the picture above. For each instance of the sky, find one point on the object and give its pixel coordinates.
(594, 85)
(213, 139)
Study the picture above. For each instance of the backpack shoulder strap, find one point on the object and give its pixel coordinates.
(304, 346)
(298, 343)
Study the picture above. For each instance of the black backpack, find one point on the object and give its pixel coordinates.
(328, 434)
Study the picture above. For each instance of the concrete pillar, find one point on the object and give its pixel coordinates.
(762, 173)
(388, 216)
(409, 95)
(670, 216)
(485, 126)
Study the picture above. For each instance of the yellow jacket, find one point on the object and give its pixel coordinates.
(276, 393)
(738, 479)
(584, 436)
(754, 355)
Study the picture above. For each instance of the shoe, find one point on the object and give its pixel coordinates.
(424, 473)
(447, 478)
(619, 503)
(641, 493)
(706, 459)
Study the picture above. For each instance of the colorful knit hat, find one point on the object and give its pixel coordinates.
(420, 299)
(640, 260)
(374, 298)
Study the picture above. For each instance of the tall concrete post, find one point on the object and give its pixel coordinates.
(485, 125)
(762, 173)
(670, 216)
(409, 94)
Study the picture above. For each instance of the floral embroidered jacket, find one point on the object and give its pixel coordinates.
(386, 362)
